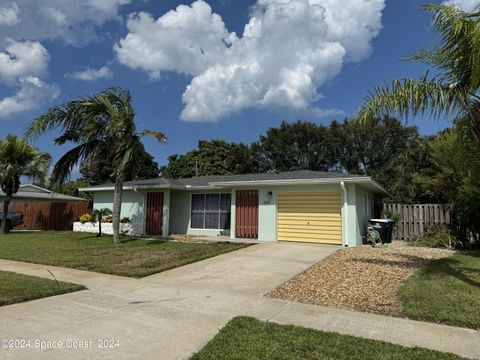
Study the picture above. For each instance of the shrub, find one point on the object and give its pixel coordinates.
(85, 218)
(437, 236)
(107, 219)
(125, 220)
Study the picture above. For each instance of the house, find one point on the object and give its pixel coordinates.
(305, 206)
(35, 193)
(43, 209)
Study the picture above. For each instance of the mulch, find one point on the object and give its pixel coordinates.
(361, 278)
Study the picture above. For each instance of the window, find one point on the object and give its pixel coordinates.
(210, 211)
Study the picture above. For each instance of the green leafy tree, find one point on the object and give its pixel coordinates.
(383, 149)
(213, 157)
(298, 146)
(71, 188)
(95, 123)
(98, 215)
(18, 159)
(454, 177)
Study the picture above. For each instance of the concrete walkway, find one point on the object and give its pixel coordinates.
(173, 314)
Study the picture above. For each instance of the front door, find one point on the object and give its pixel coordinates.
(246, 218)
(154, 221)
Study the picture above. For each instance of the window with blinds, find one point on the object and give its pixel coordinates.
(211, 211)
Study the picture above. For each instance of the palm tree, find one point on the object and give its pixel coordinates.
(98, 215)
(18, 159)
(105, 120)
(453, 90)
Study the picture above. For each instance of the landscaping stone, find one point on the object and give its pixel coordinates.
(362, 278)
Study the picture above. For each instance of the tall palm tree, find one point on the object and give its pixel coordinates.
(18, 159)
(453, 90)
(105, 120)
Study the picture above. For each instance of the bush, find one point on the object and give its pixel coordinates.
(437, 236)
(125, 220)
(107, 219)
(85, 218)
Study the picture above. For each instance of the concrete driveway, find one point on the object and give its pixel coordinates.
(173, 314)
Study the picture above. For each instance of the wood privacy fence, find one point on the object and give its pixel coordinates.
(44, 215)
(414, 219)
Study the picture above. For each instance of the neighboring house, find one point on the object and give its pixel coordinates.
(30, 192)
(305, 206)
(43, 209)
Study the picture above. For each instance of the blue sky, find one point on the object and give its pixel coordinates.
(61, 53)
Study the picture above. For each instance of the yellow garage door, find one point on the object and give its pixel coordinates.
(310, 217)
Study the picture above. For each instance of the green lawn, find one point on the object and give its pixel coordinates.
(446, 291)
(16, 288)
(134, 258)
(247, 338)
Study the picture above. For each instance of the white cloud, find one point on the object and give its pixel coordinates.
(73, 21)
(287, 51)
(92, 74)
(31, 93)
(9, 14)
(22, 63)
(465, 5)
(20, 59)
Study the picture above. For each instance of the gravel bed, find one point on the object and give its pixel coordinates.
(361, 278)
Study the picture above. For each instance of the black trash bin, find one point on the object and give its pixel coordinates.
(384, 228)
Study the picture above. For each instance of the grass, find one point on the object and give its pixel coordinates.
(247, 338)
(16, 288)
(135, 258)
(445, 291)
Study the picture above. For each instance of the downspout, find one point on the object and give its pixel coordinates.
(345, 210)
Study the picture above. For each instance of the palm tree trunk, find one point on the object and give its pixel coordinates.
(100, 227)
(6, 204)
(117, 204)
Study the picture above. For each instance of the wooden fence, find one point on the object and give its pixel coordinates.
(414, 219)
(43, 215)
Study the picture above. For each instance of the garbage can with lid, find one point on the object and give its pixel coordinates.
(384, 228)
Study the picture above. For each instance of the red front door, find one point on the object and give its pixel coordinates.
(154, 219)
(246, 214)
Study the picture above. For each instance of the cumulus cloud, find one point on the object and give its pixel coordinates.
(9, 14)
(288, 50)
(73, 21)
(20, 59)
(22, 63)
(32, 92)
(92, 74)
(465, 5)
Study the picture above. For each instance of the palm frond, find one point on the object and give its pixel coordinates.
(411, 97)
(155, 134)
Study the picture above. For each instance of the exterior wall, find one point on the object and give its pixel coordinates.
(364, 205)
(180, 213)
(133, 206)
(177, 207)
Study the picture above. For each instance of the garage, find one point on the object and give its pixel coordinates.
(310, 217)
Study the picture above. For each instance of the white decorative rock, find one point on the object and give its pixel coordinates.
(107, 228)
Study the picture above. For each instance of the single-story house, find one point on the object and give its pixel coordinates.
(43, 209)
(305, 206)
(35, 193)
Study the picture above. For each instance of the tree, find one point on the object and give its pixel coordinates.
(18, 159)
(95, 123)
(99, 168)
(453, 91)
(382, 149)
(212, 157)
(71, 188)
(98, 215)
(299, 146)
